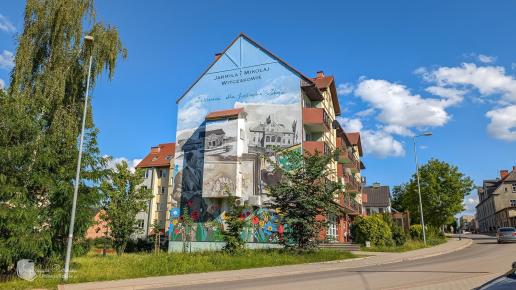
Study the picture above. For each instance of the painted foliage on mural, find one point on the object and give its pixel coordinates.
(258, 101)
(262, 225)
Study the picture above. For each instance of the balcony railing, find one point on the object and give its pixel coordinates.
(316, 119)
(316, 146)
(351, 204)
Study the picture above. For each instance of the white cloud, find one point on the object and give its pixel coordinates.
(470, 203)
(344, 89)
(486, 58)
(502, 123)
(381, 144)
(350, 125)
(398, 106)
(378, 143)
(131, 163)
(6, 25)
(488, 80)
(366, 112)
(6, 59)
(191, 114)
(452, 96)
(398, 130)
(2, 84)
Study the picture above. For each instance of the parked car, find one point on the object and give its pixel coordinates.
(507, 234)
(504, 282)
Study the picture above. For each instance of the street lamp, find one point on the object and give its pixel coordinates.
(88, 39)
(426, 134)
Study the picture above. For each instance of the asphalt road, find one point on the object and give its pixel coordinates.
(458, 270)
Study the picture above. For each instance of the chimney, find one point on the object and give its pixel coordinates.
(320, 74)
(504, 173)
(154, 150)
(514, 169)
(218, 55)
(376, 184)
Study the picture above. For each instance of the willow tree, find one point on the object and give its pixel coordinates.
(40, 118)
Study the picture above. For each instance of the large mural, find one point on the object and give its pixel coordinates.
(258, 103)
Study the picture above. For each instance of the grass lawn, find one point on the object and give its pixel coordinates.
(93, 267)
(408, 246)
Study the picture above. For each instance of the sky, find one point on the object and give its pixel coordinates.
(401, 67)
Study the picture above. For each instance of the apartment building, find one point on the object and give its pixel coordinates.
(497, 202)
(158, 168)
(245, 104)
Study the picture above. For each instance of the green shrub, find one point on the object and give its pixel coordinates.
(81, 247)
(416, 232)
(434, 233)
(139, 245)
(99, 242)
(373, 229)
(398, 235)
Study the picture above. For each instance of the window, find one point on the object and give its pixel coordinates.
(267, 139)
(147, 173)
(513, 202)
(162, 173)
(162, 190)
(380, 209)
(279, 139)
(273, 139)
(158, 206)
(140, 223)
(331, 232)
(514, 187)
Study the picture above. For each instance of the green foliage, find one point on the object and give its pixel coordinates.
(302, 194)
(443, 188)
(373, 229)
(122, 199)
(112, 267)
(416, 232)
(398, 235)
(234, 225)
(40, 119)
(186, 228)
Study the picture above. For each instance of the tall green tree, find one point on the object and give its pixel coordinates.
(304, 195)
(40, 118)
(443, 188)
(122, 199)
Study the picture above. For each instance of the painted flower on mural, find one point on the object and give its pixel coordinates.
(262, 224)
(177, 231)
(281, 229)
(247, 213)
(174, 213)
(255, 220)
(175, 221)
(269, 228)
(195, 215)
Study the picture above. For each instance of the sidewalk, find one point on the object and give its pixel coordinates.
(372, 259)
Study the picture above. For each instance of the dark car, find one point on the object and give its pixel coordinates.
(504, 282)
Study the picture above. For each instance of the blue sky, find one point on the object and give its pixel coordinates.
(402, 67)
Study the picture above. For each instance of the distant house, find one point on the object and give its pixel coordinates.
(271, 133)
(378, 199)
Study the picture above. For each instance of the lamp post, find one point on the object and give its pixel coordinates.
(418, 186)
(88, 39)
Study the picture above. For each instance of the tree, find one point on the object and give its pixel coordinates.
(443, 188)
(186, 229)
(304, 195)
(122, 199)
(235, 222)
(40, 119)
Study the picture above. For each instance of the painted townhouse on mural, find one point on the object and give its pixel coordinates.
(245, 104)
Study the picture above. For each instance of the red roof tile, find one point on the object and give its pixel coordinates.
(323, 82)
(224, 114)
(159, 156)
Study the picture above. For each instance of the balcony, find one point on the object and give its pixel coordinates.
(351, 184)
(316, 120)
(350, 204)
(316, 146)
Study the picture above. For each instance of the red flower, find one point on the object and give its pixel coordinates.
(189, 203)
(255, 220)
(195, 215)
(281, 229)
(177, 231)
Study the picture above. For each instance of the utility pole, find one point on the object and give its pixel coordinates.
(419, 186)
